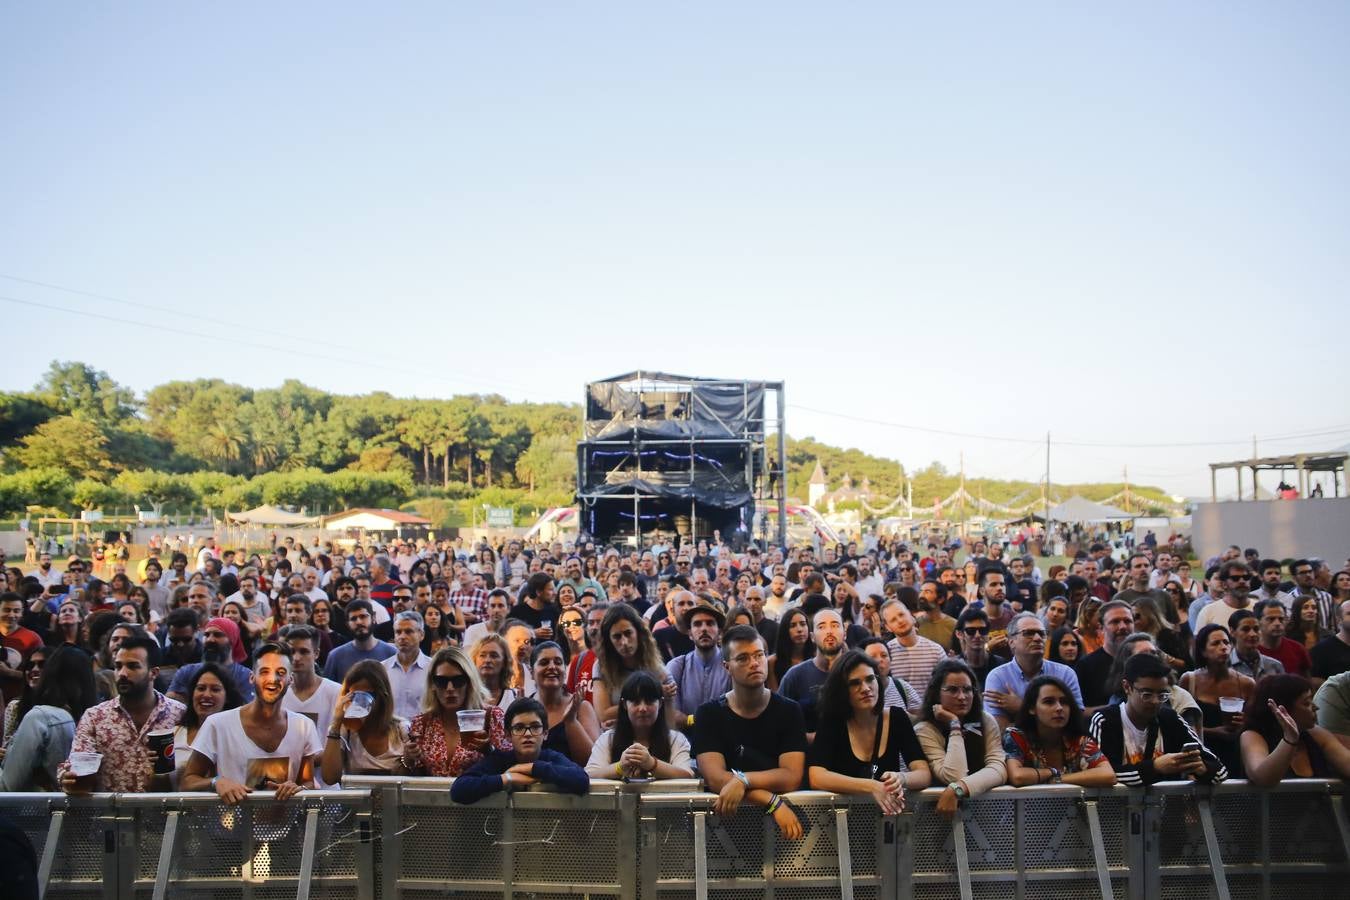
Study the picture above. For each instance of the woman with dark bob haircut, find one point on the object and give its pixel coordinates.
(853, 715)
(1281, 738)
(641, 744)
(1049, 744)
(959, 738)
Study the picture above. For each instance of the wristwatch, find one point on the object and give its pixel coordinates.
(956, 788)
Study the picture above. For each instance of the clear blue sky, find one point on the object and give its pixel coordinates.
(1123, 226)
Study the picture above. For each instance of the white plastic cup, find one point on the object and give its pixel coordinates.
(1231, 706)
(359, 708)
(83, 764)
(471, 719)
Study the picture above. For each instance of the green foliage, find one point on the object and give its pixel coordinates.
(35, 487)
(21, 414)
(73, 445)
(91, 494)
(87, 393)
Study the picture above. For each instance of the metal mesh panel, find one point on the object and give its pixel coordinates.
(1237, 824)
(816, 854)
(318, 891)
(933, 851)
(1298, 830)
(558, 846)
(991, 835)
(80, 855)
(1192, 887)
(1060, 889)
(446, 843)
(1308, 887)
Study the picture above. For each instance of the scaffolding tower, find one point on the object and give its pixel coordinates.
(664, 455)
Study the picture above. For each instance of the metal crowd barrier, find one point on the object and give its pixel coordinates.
(403, 839)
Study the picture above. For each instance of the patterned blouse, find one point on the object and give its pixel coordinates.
(426, 732)
(1080, 753)
(108, 729)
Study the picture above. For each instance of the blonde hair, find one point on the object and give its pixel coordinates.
(508, 673)
(473, 698)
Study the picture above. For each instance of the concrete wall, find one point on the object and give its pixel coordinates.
(1278, 528)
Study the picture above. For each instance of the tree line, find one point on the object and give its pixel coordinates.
(81, 440)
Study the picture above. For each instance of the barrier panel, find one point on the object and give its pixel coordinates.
(403, 839)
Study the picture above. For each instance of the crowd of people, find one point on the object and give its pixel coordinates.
(875, 671)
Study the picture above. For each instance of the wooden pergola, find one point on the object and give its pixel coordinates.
(1304, 464)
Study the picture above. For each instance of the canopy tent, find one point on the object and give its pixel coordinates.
(269, 515)
(1080, 509)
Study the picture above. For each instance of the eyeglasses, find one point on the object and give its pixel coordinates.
(1030, 633)
(743, 659)
(976, 631)
(531, 728)
(1160, 696)
(443, 681)
(958, 690)
(1238, 579)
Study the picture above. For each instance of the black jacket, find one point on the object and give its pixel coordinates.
(1107, 731)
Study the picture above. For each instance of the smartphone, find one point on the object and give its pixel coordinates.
(1191, 747)
(59, 589)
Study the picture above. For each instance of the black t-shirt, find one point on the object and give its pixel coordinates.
(1330, 656)
(1092, 671)
(672, 642)
(832, 749)
(535, 618)
(750, 745)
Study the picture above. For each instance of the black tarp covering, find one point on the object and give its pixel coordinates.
(704, 493)
(705, 410)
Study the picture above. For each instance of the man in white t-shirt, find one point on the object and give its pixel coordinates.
(259, 746)
(310, 695)
(498, 606)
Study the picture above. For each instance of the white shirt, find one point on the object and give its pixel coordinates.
(50, 579)
(868, 586)
(318, 708)
(475, 633)
(409, 686)
(223, 741)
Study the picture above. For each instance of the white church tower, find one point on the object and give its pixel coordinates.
(816, 490)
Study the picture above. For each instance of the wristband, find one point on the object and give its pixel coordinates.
(689, 721)
(334, 736)
(1289, 742)
(618, 770)
(742, 778)
(775, 801)
(214, 779)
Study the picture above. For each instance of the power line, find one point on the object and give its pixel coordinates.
(235, 342)
(1060, 443)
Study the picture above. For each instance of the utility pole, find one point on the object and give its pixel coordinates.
(1127, 488)
(961, 495)
(1047, 486)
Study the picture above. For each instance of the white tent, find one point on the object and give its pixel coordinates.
(269, 515)
(1080, 509)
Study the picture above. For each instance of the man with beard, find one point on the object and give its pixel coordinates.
(699, 674)
(159, 596)
(46, 573)
(256, 607)
(117, 728)
(776, 603)
(181, 646)
(224, 754)
(1117, 624)
(363, 645)
(537, 607)
(219, 638)
(803, 682)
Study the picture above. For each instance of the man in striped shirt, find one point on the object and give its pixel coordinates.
(912, 655)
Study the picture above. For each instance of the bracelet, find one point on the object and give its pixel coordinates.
(618, 770)
(775, 801)
(214, 779)
(1289, 742)
(1055, 775)
(334, 736)
(689, 721)
(956, 788)
(742, 778)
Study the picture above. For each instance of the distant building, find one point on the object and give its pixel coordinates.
(846, 493)
(381, 521)
(816, 488)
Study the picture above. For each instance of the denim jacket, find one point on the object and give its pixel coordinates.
(42, 742)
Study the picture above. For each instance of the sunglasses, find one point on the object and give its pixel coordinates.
(572, 623)
(972, 632)
(443, 681)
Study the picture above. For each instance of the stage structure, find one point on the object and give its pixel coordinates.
(664, 455)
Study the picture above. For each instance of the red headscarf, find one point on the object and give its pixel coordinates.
(236, 644)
